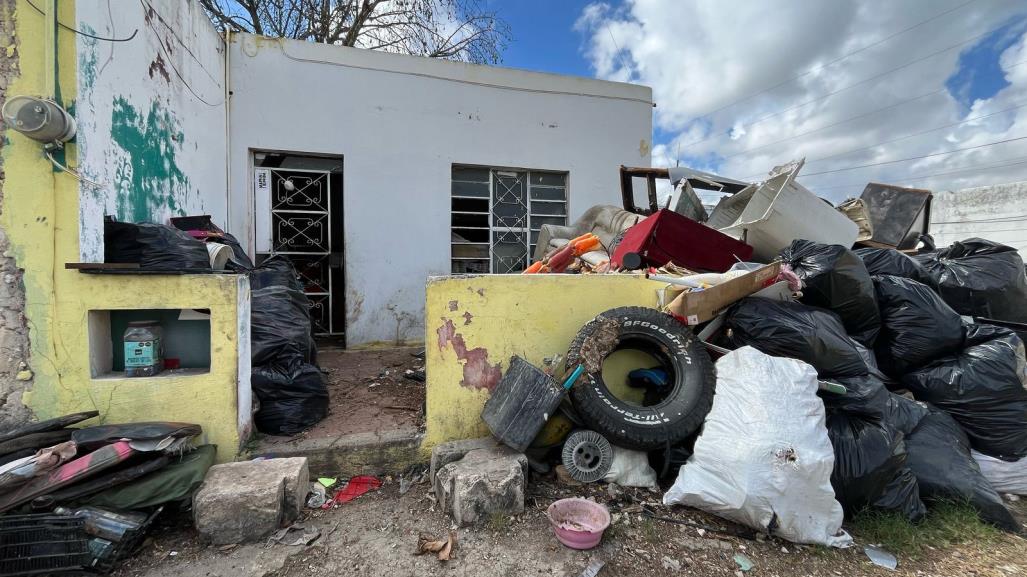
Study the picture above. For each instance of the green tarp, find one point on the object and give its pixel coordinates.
(175, 482)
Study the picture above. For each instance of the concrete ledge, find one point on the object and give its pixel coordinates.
(388, 452)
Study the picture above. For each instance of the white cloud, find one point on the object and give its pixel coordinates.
(702, 55)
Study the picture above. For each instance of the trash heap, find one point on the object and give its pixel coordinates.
(848, 374)
(287, 383)
(288, 387)
(83, 499)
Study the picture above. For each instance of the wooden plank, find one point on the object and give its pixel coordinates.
(100, 265)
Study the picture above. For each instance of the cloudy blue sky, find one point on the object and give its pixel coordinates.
(743, 86)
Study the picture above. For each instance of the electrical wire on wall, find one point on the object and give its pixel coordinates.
(86, 34)
(78, 175)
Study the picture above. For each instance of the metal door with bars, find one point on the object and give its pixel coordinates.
(298, 222)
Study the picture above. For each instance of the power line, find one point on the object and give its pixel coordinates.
(81, 33)
(921, 133)
(869, 113)
(836, 60)
(853, 85)
(922, 176)
(914, 157)
(840, 122)
(978, 229)
(996, 220)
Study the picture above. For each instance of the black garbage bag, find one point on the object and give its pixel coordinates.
(798, 331)
(982, 388)
(1019, 328)
(867, 397)
(916, 326)
(292, 394)
(836, 279)
(154, 247)
(870, 467)
(939, 455)
(980, 278)
(279, 317)
(239, 261)
(276, 270)
(892, 262)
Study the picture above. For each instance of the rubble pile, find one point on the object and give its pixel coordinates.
(804, 367)
(93, 496)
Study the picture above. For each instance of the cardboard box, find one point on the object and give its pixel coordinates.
(697, 307)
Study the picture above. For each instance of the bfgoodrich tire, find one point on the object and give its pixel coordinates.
(673, 418)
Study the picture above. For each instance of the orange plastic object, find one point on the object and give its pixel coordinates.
(534, 268)
(586, 245)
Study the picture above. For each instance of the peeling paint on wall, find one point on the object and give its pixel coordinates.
(14, 332)
(87, 57)
(157, 66)
(151, 117)
(148, 180)
(478, 373)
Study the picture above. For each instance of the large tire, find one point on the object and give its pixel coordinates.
(679, 414)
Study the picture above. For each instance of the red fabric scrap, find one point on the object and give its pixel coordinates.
(356, 487)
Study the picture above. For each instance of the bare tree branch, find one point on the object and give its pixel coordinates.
(452, 29)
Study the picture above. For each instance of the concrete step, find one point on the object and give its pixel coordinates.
(377, 453)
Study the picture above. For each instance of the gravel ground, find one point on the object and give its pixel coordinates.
(377, 534)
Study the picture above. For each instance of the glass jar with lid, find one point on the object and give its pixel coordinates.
(144, 349)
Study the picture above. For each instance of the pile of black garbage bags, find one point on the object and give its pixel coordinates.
(288, 385)
(932, 370)
(286, 381)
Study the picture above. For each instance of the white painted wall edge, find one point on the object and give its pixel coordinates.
(477, 74)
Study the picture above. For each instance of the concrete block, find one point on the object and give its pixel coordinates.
(483, 482)
(442, 455)
(236, 506)
(297, 481)
(246, 501)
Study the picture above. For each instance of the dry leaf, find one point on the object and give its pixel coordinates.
(448, 549)
(429, 544)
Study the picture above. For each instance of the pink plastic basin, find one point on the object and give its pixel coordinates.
(578, 523)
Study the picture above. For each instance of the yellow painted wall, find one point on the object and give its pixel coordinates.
(40, 215)
(533, 316)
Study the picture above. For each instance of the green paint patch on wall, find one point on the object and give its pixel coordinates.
(147, 178)
(87, 58)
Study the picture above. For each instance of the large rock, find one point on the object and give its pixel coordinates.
(247, 501)
(297, 481)
(481, 481)
(446, 453)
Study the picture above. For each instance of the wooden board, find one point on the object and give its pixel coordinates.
(100, 265)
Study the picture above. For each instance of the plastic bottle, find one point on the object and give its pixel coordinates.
(106, 524)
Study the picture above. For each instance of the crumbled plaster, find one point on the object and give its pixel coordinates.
(14, 333)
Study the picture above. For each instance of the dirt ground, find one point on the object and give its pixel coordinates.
(376, 535)
(368, 392)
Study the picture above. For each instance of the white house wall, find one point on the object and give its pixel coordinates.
(400, 123)
(151, 115)
(997, 213)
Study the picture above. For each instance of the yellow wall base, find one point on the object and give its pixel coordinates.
(474, 324)
(40, 216)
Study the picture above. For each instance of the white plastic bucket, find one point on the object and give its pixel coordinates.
(219, 255)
